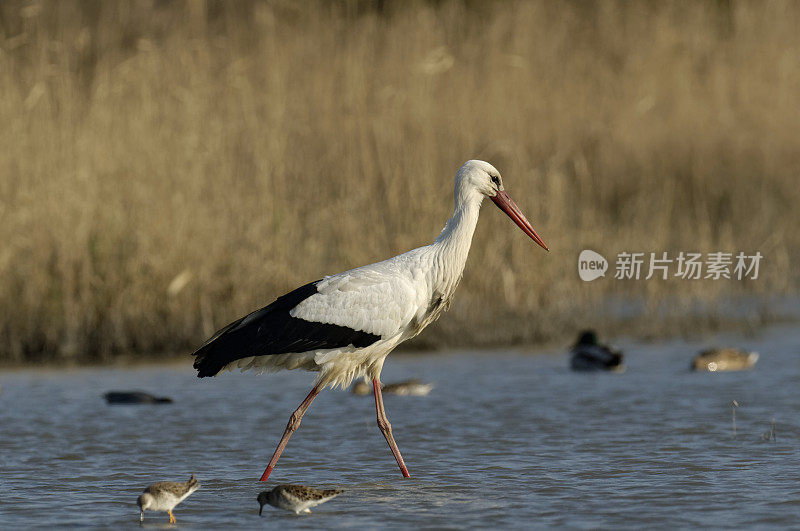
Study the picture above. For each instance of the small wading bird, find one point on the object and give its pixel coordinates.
(297, 498)
(343, 326)
(165, 495)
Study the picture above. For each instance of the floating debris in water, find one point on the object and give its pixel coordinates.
(734, 405)
(770, 435)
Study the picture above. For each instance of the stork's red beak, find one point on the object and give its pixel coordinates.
(507, 205)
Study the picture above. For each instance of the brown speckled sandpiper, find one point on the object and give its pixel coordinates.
(165, 495)
(297, 498)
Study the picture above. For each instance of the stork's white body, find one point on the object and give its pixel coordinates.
(394, 299)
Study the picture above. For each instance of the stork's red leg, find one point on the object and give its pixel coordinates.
(294, 423)
(386, 428)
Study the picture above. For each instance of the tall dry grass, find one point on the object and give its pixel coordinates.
(248, 147)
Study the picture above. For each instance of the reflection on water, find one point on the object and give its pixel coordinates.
(505, 439)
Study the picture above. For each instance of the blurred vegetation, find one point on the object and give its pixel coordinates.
(167, 166)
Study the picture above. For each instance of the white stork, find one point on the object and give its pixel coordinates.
(345, 325)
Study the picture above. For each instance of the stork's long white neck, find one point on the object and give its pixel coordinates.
(451, 247)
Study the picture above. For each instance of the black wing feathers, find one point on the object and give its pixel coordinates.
(271, 330)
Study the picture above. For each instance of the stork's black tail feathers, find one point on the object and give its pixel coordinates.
(254, 334)
(215, 353)
(272, 330)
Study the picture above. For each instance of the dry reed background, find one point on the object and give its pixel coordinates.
(167, 166)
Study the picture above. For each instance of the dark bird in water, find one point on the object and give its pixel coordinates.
(589, 355)
(724, 359)
(134, 397)
(297, 498)
(165, 495)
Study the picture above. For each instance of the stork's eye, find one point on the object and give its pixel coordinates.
(496, 180)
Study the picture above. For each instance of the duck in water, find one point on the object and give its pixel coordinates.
(590, 355)
(134, 397)
(411, 387)
(724, 359)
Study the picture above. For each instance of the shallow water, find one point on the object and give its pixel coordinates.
(506, 439)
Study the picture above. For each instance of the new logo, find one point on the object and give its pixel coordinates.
(591, 265)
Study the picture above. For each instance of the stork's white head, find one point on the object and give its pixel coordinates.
(478, 176)
(477, 179)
